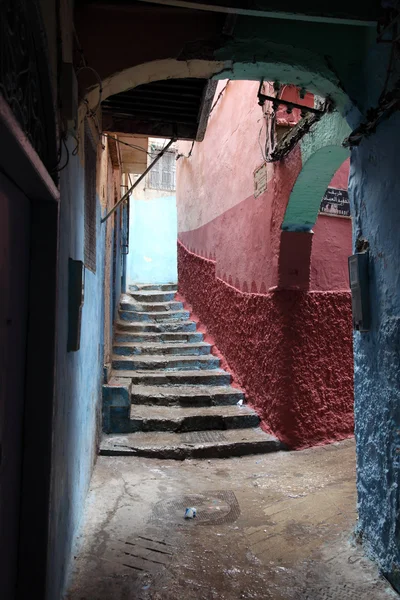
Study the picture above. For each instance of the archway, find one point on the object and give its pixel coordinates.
(321, 156)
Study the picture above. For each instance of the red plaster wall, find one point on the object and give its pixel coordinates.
(244, 240)
(291, 351)
(218, 215)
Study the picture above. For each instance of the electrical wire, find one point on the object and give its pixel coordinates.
(90, 112)
(178, 156)
(219, 97)
(259, 143)
(87, 68)
(126, 144)
(59, 169)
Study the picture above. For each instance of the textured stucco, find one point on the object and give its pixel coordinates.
(78, 374)
(290, 351)
(331, 248)
(374, 187)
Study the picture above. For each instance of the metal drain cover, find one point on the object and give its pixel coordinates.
(213, 508)
(203, 437)
(142, 553)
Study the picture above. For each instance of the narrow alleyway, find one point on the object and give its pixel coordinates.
(183, 404)
(276, 526)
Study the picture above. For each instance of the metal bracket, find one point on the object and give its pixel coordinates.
(276, 102)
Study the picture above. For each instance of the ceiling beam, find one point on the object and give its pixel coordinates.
(266, 12)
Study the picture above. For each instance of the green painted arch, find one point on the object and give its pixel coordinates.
(322, 154)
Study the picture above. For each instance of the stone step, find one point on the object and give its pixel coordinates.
(160, 327)
(195, 444)
(186, 395)
(163, 287)
(168, 337)
(153, 295)
(141, 348)
(179, 420)
(154, 317)
(216, 377)
(171, 362)
(135, 306)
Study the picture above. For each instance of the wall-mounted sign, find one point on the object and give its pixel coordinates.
(260, 180)
(335, 203)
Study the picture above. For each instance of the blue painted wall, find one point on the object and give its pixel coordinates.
(375, 192)
(78, 381)
(152, 254)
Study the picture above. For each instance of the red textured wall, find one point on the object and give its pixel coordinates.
(291, 351)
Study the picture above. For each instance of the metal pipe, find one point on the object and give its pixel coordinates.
(263, 98)
(143, 175)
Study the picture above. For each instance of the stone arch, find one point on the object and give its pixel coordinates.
(322, 153)
(315, 77)
(322, 145)
(157, 70)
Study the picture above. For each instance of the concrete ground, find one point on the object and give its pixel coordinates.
(275, 526)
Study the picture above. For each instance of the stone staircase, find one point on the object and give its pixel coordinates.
(167, 396)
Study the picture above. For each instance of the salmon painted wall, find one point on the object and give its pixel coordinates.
(218, 215)
(229, 261)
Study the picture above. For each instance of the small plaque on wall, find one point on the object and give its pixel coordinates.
(335, 203)
(260, 180)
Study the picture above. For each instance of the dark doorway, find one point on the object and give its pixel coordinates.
(14, 284)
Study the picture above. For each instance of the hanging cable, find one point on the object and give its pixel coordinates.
(142, 176)
(178, 156)
(87, 68)
(219, 97)
(259, 143)
(126, 143)
(59, 169)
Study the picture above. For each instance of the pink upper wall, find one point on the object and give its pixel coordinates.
(218, 215)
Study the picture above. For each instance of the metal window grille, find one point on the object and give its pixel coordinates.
(163, 175)
(90, 202)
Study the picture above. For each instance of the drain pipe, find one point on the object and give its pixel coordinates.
(143, 175)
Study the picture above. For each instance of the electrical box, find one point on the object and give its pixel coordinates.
(76, 295)
(359, 285)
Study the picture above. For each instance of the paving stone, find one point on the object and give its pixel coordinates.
(166, 337)
(212, 377)
(146, 348)
(186, 395)
(131, 315)
(153, 295)
(167, 362)
(178, 419)
(128, 303)
(176, 326)
(233, 442)
(164, 287)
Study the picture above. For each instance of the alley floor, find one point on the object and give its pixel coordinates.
(277, 526)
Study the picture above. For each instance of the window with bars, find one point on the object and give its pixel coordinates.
(163, 175)
(90, 202)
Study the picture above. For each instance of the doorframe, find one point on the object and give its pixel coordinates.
(22, 165)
